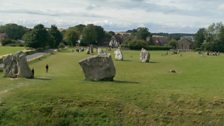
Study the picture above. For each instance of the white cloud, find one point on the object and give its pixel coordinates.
(158, 15)
(221, 7)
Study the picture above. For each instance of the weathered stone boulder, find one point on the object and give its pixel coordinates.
(144, 56)
(97, 68)
(118, 54)
(16, 66)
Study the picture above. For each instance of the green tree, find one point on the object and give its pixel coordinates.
(89, 35)
(13, 31)
(135, 44)
(199, 37)
(100, 34)
(51, 43)
(214, 38)
(38, 37)
(56, 34)
(173, 43)
(93, 35)
(78, 28)
(111, 33)
(142, 33)
(71, 37)
(108, 36)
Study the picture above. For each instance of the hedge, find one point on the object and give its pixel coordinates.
(139, 44)
(159, 48)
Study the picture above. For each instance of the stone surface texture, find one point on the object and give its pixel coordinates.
(98, 68)
(16, 66)
(144, 56)
(118, 54)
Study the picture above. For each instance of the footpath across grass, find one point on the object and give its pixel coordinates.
(141, 95)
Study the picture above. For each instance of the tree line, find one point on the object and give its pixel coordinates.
(210, 38)
(41, 37)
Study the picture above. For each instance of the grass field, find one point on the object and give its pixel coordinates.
(141, 95)
(6, 50)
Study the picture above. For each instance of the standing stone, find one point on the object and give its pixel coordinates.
(16, 66)
(118, 54)
(99, 51)
(97, 68)
(144, 56)
(90, 50)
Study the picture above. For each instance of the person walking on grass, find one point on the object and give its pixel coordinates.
(32, 73)
(47, 67)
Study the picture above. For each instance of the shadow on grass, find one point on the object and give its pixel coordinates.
(153, 62)
(41, 78)
(123, 60)
(127, 60)
(125, 82)
(114, 82)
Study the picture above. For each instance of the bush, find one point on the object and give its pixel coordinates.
(198, 49)
(159, 47)
(61, 45)
(139, 44)
(11, 42)
(8, 42)
(135, 44)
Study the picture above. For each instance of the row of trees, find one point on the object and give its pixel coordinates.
(211, 38)
(86, 34)
(42, 37)
(13, 31)
(140, 38)
(38, 37)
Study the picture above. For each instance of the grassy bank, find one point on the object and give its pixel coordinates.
(7, 49)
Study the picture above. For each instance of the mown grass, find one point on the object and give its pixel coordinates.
(141, 95)
(7, 49)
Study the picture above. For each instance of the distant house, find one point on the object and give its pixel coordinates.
(159, 40)
(3, 36)
(185, 43)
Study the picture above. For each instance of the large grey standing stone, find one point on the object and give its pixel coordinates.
(16, 66)
(118, 54)
(144, 56)
(97, 68)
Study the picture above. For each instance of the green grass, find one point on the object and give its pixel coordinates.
(7, 49)
(141, 95)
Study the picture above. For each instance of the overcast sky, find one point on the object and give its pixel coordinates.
(171, 16)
